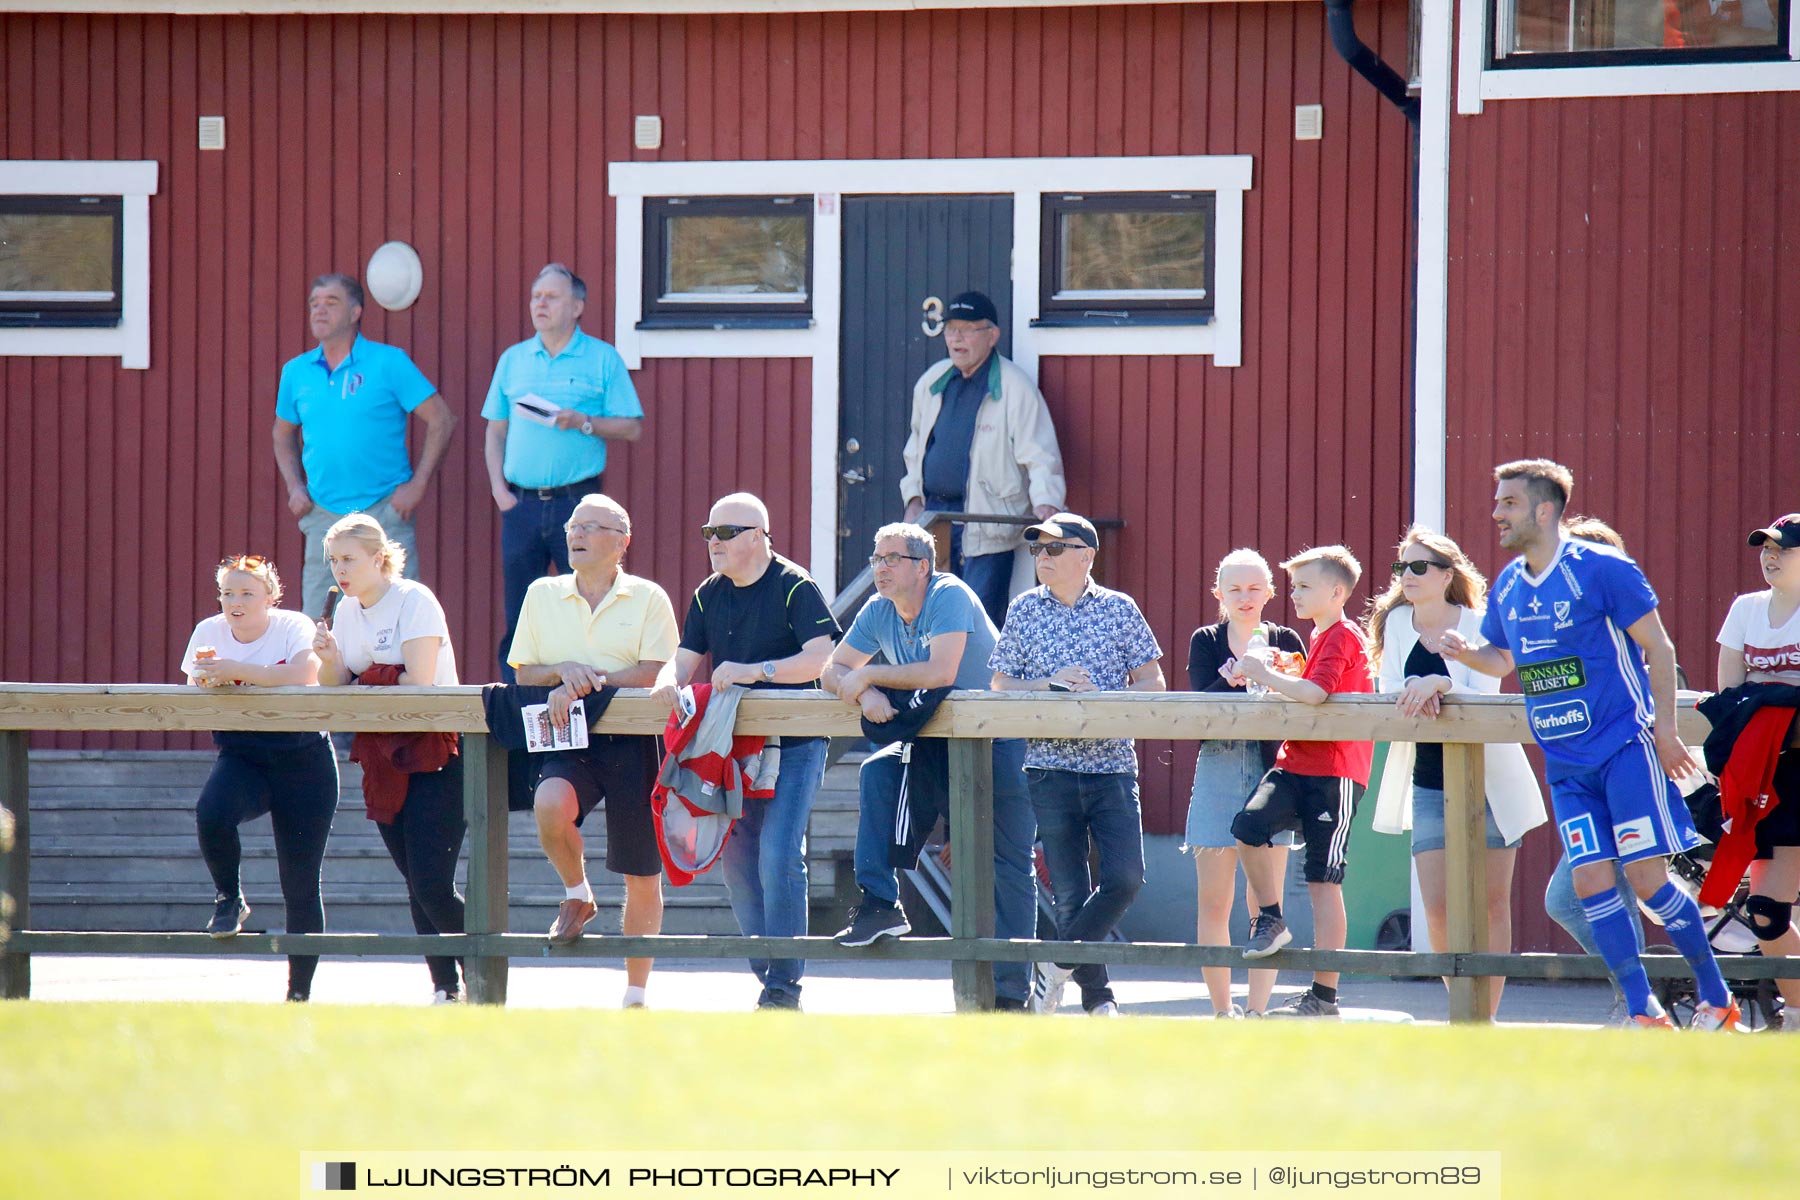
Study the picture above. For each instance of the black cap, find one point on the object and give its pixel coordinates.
(1065, 525)
(972, 306)
(1783, 531)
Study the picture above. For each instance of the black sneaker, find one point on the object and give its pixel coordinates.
(228, 916)
(1306, 1004)
(1008, 1004)
(296, 996)
(870, 922)
(1267, 935)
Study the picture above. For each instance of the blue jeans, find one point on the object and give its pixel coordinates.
(1564, 906)
(765, 862)
(1015, 828)
(531, 538)
(989, 576)
(1071, 806)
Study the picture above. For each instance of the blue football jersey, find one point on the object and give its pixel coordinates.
(1587, 691)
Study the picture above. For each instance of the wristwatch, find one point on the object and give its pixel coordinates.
(768, 670)
(587, 427)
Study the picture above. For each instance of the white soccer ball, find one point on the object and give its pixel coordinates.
(394, 276)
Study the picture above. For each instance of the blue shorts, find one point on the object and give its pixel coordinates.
(1627, 808)
(1224, 776)
(1428, 822)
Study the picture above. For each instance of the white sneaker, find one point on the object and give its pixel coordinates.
(1106, 1008)
(1047, 987)
(442, 997)
(1234, 1013)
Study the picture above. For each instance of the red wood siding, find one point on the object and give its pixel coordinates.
(1619, 271)
(483, 141)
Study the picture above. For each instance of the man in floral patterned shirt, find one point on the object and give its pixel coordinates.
(1072, 635)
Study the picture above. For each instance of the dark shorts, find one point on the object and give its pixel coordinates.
(621, 770)
(1317, 807)
(1781, 825)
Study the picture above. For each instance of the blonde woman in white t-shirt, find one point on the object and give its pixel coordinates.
(290, 776)
(398, 622)
(1760, 643)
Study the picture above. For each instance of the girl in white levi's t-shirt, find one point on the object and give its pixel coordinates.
(387, 619)
(1760, 643)
(292, 776)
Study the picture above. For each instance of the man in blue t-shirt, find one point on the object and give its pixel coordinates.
(933, 631)
(555, 401)
(348, 401)
(1578, 621)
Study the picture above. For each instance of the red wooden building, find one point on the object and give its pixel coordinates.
(1596, 225)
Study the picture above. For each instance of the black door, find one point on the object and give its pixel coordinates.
(901, 253)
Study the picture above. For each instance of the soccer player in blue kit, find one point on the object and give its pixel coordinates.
(1578, 621)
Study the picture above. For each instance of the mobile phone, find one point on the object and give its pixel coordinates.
(1057, 685)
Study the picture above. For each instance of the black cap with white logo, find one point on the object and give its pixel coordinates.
(972, 306)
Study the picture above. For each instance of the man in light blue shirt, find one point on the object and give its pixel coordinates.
(933, 631)
(348, 402)
(555, 400)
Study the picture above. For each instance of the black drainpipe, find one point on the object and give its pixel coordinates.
(1341, 21)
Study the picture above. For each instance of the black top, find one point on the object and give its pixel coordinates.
(945, 471)
(1428, 767)
(1210, 649)
(767, 621)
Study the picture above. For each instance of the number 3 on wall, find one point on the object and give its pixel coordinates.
(933, 324)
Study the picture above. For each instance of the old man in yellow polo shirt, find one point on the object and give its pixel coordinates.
(596, 626)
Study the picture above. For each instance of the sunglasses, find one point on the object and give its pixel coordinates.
(723, 532)
(1053, 549)
(1419, 567)
(241, 562)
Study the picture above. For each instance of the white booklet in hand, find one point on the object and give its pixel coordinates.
(541, 735)
(534, 407)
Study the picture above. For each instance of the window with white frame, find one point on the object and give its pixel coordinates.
(742, 261)
(75, 259)
(1126, 257)
(1574, 33)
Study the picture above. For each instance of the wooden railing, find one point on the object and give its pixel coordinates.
(971, 719)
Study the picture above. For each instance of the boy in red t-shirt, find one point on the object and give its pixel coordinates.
(1314, 787)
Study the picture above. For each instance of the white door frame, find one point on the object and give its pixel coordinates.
(1027, 179)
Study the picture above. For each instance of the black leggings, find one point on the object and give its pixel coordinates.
(294, 779)
(425, 841)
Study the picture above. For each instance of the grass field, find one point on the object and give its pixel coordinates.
(149, 1100)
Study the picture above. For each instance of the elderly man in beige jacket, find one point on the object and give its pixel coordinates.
(981, 441)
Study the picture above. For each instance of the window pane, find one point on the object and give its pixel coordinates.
(1139, 253)
(743, 259)
(56, 256)
(1572, 26)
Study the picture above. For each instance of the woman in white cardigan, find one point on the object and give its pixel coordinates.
(1436, 588)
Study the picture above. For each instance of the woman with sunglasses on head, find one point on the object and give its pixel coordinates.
(291, 776)
(1437, 589)
(391, 622)
(1226, 771)
(1760, 644)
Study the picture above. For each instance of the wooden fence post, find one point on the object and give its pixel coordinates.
(1465, 874)
(15, 862)
(485, 907)
(972, 865)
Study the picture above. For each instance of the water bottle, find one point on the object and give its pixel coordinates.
(1259, 648)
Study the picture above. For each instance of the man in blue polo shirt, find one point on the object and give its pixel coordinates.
(348, 402)
(555, 400)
